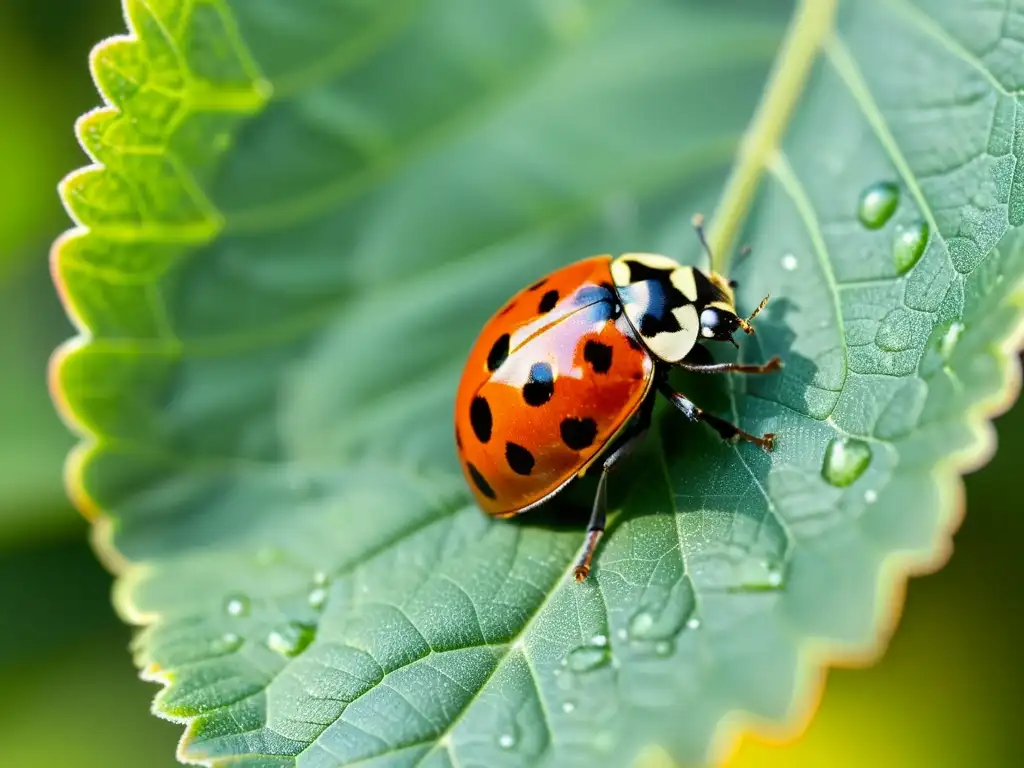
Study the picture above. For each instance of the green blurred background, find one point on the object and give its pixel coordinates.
(947, 693)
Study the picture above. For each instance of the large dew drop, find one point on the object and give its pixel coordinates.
(877, 204)
(291, 639)
(909, 246)
(845, 461)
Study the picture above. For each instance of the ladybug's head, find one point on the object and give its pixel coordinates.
(719, 321)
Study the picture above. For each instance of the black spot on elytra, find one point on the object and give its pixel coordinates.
(598, 355)
(540, 386)
(508, 308)
(548, 301)
(519, 459)
(578, 433)
(538, 284)
(478, 480)
(633, 343)
(498, 353)
(480, 418)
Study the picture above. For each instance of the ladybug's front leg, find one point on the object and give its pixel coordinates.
(773, 365)
(624, 446)
(726, 429)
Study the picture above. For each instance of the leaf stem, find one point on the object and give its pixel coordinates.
(811, 24)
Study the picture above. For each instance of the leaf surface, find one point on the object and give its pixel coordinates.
(305, 211)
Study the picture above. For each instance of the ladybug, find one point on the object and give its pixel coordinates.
(566, 373)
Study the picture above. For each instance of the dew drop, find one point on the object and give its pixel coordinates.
(586, 658)
(568, 707)
(506, 741)
(227, 643)
(641, 624)
(320, 578)
(237, 605)
(662, 615)
(664, 648)
(291, 639)
(317, 598)
(877, 204)
(789, 262)
(599, 640)
(845, 461)
(947, 343)
(909, 245)
(870, 496)
(693, 623)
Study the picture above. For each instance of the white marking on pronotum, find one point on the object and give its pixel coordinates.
(683, 280)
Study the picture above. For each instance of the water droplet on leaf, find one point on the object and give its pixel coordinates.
(909, 246)
(870, 496)
(291, 639)
(693, 623)
(662, 614)
(789, 262)
(317, 598)
(237, 605)
(506, 741)
(320, 578)
(877, 204)
(588, 657)
(640, 625)
(845, 461)
(664, 648)
(568, 707)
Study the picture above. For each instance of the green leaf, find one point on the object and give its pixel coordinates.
(306, 210)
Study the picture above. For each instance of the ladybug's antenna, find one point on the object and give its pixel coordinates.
(745, 324)
(698, 225)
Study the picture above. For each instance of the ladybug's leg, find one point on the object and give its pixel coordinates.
(624, 446)
(726, 429)
(771, 366)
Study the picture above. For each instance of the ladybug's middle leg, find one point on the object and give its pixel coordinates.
(629, 439)
(726, 429)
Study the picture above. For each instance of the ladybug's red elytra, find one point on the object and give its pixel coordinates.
(566, 373)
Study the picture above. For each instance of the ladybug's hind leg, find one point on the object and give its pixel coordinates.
(726, 429)
(624, 446)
